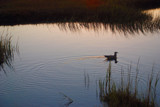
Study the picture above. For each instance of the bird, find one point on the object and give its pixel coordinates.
(111, 57)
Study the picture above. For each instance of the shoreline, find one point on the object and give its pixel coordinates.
(11, 14)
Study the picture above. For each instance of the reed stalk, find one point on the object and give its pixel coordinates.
(123, 95)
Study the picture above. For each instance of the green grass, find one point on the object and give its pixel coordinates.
(123, 94)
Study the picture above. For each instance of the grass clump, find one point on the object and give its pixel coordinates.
(127, 95)
(6, 51)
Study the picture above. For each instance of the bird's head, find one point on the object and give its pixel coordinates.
(115, 53)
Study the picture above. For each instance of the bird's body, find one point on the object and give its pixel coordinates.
(110, 57)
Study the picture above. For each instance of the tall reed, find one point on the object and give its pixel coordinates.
(123, 95)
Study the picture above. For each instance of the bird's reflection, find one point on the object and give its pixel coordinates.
(115, 60)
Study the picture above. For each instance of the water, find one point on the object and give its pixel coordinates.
(56, 60)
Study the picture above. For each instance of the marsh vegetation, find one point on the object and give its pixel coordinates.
(6, 51)
(127, 94)
(53, 59)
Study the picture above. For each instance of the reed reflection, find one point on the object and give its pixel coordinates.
(6, 51)
(145, 26)
(86, 80)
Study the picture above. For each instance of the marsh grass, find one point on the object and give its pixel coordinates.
(6, 51)
(123, 95)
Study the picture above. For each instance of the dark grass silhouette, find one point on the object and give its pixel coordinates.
(145, 26)
(123, 95)
(6, 52)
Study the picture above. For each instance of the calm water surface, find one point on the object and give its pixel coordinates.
(55, 61)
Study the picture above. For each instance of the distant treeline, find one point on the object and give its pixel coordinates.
(141, 4)
(50, 11)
